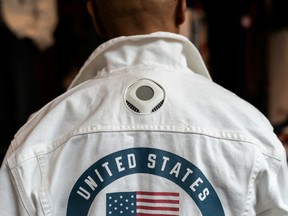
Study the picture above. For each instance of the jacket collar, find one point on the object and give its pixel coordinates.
(172, 50)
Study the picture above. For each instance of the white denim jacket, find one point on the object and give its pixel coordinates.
(202, 151)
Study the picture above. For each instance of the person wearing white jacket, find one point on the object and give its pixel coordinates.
(143, 130)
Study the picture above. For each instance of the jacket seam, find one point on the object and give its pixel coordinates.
(22, 195)
(252, 179)
(42, 192)
(61, 141)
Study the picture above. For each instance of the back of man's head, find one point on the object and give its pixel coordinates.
(128, 17)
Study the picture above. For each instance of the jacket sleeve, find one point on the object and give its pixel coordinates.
(272, 188)
(10, 204)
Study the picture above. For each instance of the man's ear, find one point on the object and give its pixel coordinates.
(99, 27)
(181, 11)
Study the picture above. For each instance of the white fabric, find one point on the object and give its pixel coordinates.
(132, 44)
(217, 153)
(34, 19)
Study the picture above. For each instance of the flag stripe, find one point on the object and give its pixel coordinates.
(154, 212)
(157, 197)
(157, 201)
(157, 208)
(157, 193)
(159, 204)
(144, 214)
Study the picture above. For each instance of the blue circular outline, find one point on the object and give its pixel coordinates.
(210, 206)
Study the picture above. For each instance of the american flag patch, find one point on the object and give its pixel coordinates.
(142, 203)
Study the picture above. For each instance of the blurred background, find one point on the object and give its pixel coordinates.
(43, 45)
